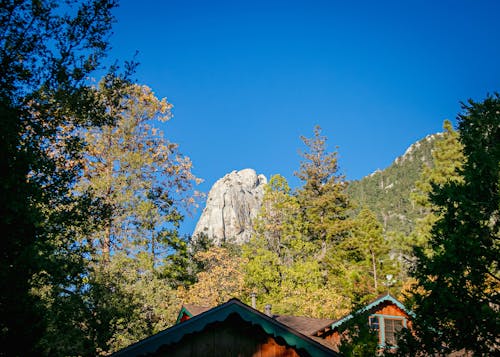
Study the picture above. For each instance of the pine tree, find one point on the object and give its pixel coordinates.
(373, 247)
(322, 198)
(281, 265)
(269, 252)
(447, 161)
(359, 264)
(457, 294)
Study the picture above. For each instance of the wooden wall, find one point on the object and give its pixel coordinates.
(386, 308)
(232, 337)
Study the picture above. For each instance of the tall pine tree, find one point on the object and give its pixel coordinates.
(322, 198)
(447, 162)
(456, 300)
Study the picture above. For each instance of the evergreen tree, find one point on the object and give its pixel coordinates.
(361, 262)
(270, 252)
(281, 267)
(457, 294)
(322, 198)
(447, 162)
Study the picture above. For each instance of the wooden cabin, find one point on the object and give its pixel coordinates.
(385, 314)
(234, 329)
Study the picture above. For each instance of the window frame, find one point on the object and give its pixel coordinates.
(382, 328)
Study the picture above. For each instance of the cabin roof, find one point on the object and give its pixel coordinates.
(220, 313)
(369, 307)
(302, 324)
(305, 325)
(191, 310)
(196, 309)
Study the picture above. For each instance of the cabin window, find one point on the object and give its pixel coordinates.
(391, 328)
(374, 323)
(387, 328)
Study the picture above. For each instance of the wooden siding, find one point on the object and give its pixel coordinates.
(232, 337)
(391, 310)
(385, 309)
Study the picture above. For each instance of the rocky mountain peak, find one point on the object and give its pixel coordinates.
(232, 204)
(414, 148)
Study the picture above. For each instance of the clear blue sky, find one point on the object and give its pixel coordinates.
(247, 78)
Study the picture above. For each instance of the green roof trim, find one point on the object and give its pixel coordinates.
(370, 306)
(218, 314)
(183, 311)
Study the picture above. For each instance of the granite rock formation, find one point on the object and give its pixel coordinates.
(232, 204)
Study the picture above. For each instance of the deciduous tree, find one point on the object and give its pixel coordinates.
(139, 174)
(220, 280)
(145, 182)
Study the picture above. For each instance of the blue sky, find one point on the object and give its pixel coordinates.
(248, 78)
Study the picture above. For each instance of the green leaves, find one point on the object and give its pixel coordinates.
(135, 170)
(145, 183)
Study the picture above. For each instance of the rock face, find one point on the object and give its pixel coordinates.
(232, 204)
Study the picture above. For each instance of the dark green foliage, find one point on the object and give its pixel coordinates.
(180, 266)
(357, 337)
(45, 52)
(82, 321)
(457, 296)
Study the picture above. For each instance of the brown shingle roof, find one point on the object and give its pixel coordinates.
(325, 343)
(196, 309)
(305, 325)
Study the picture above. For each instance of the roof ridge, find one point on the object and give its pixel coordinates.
(220, 313)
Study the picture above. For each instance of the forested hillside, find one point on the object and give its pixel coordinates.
(387, 192)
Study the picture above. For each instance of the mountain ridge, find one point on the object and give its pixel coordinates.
(387, 192)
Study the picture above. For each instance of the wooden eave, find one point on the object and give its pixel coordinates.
(220, 313)
(370, 306)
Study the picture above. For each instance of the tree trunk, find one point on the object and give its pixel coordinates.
(374, 267)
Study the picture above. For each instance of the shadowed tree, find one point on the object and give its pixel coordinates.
(47, 49)
(456, 299)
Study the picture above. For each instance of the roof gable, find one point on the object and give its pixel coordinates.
(220, 313)
(370, 307)
(190, 310)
